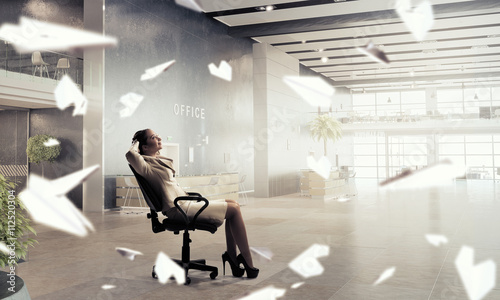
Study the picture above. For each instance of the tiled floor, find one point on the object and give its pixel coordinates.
(368, 234)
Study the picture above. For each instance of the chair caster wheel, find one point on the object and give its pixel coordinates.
(188, 281)
(153, 273)
(214, 274)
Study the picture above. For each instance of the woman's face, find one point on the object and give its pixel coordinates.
(154, 142)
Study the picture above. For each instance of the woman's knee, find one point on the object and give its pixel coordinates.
(232, 209)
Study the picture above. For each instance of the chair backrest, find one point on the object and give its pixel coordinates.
(63, 63)
(36, 58)
(152, 200)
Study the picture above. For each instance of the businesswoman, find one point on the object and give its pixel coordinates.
(158, 170)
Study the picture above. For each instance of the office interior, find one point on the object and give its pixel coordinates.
(249, 139)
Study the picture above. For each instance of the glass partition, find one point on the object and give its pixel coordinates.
(44, 66)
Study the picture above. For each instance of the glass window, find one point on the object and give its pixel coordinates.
(451, 149)
(365, 161)
(413, 97)
(479, 160)
(363, 99)
(452, 95)
(369, 149)
(458, 160)
(415, 160)
(478, 149)
(478, 138)
(451, 138)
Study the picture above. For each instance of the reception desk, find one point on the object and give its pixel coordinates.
(215, 186)
(312, 184)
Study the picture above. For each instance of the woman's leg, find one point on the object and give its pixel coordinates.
(236, 233)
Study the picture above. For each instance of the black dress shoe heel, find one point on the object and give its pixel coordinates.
(235, 268)
(251, 272)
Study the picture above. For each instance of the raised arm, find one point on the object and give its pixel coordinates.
(136, 160)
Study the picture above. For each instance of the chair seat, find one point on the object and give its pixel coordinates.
(176, 226)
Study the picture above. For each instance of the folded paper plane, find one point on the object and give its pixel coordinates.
(47, 204)
(418, 19)
(436, 239)
(131, 102)
(262, 252)
(388, 273)
(441, 173)
(108, 286)
(4, 249)
(307, 264)
(224, 71)
(268, 293)
(166, 268)
(33, 35)
(322, 167)
(67, 93)
(313, 90)
(478, 279)
(51, 143)
(128, 253)
(191, 4)
(374, 53)
(156, 71)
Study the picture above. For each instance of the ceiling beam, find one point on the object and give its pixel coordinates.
(342, 21)
(415, 78)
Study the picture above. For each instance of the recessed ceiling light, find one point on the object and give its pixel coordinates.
(324, 59)
(265, 8)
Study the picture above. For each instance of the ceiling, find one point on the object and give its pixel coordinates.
(461, 49)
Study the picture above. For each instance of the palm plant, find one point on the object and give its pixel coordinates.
(324, 127)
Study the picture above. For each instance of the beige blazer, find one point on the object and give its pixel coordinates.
(160, 172)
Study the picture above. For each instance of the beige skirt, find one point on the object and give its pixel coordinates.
(214, 213)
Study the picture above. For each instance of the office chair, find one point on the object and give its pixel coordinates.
(176, 226)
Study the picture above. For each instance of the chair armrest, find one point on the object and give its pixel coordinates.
(190, 198)
(194, 194)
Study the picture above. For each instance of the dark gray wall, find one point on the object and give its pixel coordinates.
(152, 32)
(69, 131)
(13, 138)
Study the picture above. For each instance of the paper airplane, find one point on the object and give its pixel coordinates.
(128, 253)
(313, 90)
(67, 93)
(156, 71)
(322, 167)
(191, 4)
(33, 35)
(478, 279)
(418, 20)
(224, 71)
(385, 275)
(4, 249)
(297, 285)
(131, 102)
(166, 268)
(47, 204)
(51, 143)
(441, 173)
(306, 264)
(374, 53)
(108, 286)
(268, 293)
(436, 239)
(262, 252)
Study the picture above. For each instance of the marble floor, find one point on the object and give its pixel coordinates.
(366, 235)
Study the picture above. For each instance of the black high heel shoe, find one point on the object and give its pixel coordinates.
(235, 268)
(251, 272)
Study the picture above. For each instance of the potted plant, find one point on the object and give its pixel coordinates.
(14, 225)
(324, 127)
(38, 152)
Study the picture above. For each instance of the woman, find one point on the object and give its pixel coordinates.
(158, 170)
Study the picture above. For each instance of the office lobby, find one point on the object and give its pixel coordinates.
(405, 106)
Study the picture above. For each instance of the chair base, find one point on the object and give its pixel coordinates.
(197, 264)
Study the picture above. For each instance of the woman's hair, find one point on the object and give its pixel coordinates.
(142, 137)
